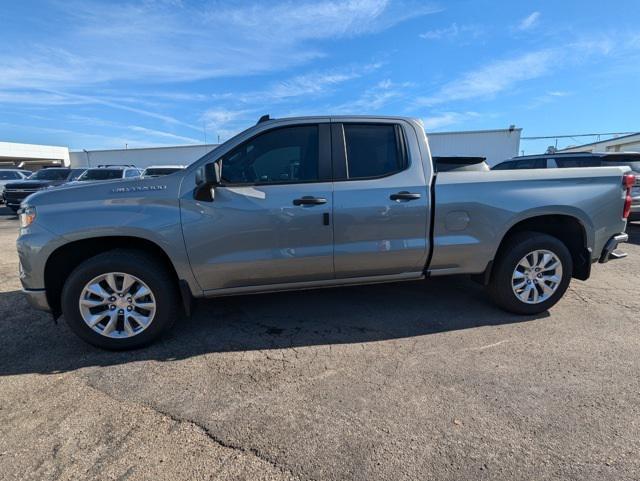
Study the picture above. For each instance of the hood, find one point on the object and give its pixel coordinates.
(107, 191)
(31, 184)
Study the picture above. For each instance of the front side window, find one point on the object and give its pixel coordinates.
(373, 150)
(132, 173)
(283, 155)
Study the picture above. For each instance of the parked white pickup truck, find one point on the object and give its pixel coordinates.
(304, 203)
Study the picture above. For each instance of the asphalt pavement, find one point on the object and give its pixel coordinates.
(407, 381)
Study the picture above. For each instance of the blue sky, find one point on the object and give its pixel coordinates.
(91, 74)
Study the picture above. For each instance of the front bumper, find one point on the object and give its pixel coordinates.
(610, 251)
(37, 298)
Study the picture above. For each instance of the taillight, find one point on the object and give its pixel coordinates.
(628, 180)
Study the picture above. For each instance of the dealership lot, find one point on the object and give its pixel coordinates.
(423, 380)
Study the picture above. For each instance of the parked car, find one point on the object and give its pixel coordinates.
(583, 159)
(8, 176)
(304, 203)
(109, 172)
(15, 192)
(160, 170)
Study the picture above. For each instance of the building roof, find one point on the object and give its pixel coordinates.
(615, 140)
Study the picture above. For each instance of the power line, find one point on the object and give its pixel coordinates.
(575, 135)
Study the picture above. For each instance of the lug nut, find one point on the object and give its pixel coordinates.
(539, 276)
(112, 307)
(129, 308)
(112, 299)
(129, 300)
(120, 311)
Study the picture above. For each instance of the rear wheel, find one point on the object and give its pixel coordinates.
(532, 273)
(120, 299)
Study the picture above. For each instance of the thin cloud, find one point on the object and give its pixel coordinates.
(452, 32)
(315, 83)
(501, 75)
(88, 99)
(493, 78)
(529, 21)
(445, 119)
(172, 41)
(547, 98)
(164, 135)
(374, 98)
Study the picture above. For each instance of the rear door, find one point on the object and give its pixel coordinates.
(381, 200)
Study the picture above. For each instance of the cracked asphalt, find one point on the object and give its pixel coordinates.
(422, 380)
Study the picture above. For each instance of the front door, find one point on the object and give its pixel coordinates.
(269, 223)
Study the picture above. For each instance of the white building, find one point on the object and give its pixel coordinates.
(178, 155)
(625, 143)
(495, 145)
(32, 157)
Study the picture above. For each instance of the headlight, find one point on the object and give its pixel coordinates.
(27, 216)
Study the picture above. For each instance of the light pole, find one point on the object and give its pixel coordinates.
(88, 157)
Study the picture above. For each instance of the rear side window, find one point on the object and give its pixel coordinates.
(374, 150)
(578, 162)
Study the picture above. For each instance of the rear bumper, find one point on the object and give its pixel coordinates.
(37, 299)
(610, 251)
(635, 209)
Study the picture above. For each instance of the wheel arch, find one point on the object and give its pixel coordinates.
(63, 260)
(569, 229)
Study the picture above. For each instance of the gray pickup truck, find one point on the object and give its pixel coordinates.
(305, 203)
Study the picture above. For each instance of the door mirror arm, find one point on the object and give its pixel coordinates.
(208, 177)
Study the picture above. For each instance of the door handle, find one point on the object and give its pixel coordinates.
(309, 200)
(404, 195)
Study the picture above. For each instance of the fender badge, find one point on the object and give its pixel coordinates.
(140, 188)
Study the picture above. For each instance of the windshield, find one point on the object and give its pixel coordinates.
(155, 172)
(50, 174)
(100, 174)
(9, 175)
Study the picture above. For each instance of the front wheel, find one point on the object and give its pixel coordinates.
(532, 273)
(121, 299)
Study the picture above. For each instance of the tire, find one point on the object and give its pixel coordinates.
(148, 272)
(506, 288)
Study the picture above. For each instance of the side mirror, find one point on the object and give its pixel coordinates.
(208, 177)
